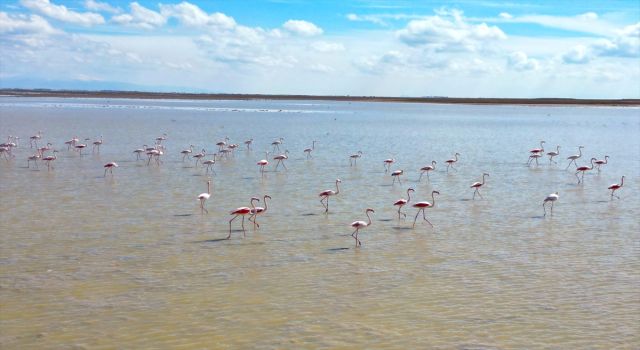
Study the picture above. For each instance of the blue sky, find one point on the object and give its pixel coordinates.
(484, 48)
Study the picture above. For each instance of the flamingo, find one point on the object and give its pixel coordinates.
(280, 158)
(477, 186)
(534, 156)
(209, 163)
(199, 156)
(186, 152)
(242, 211)
(309, 150)
(601, 162)
(538, 150)
(50, 159)
(361, 224)
(427, 169)
(259, 211)
(34, 158)
(41, 150)
(202, 197)
(574, 157)
(109, 166)
(33, 140)
(97, 144)
(616, 187)
(396, 175)
(550, 198)
(387, 164)
(248, 143)
(451, 162)
(6, 152)
(583, 169)
(328, 193)
(424, 205)
(354, 158)
(264, 162)
(80, 147)
(402, 202)
(138, 152)
(277, 143)
(554, 154)
(222, 144)
(159, 139)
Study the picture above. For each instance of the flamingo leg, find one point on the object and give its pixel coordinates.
(105, 172)
(420, 178)
(424, 216)
(551, 208)
(416, 218)
(229, 236)
(244, 232)
(544, 208)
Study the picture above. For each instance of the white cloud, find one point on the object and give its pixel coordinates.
(505, 15)
(588, 22)
(302, 28)
(22, 24)
(449, 31)
(61, 13)
(577, 55)
(321, 68)
(324, 46)
(93, 5)
(626, 43)
(191, 15)
(140, 17)
(519, 61)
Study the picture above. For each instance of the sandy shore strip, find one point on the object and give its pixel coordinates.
(209, 96)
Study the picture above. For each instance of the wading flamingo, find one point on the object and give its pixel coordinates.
(309, 150)
(259, 211)
(202, 197)
(222, 144)
(248, 143)
(209, 163)
(280, 158)
(33, 140)
(276, 144)
(264, 162)
(601, 162)
(34, 158)
(353, 159)
(616, 187)
(402, 202)
(477, 186)
(538, 150)
(324, 195)
(109, 166)
(49, 159)
(186, 152)
(554, 154)
(424, 205)
(450, 162)
(532, 157)
(199, 156)
(550, 198)
(242, 211)
(396, 175)
(387, 164)
(583, 169)
(361, 224)
(97, 144)
(138, 152)
(427, 169)
(574, 157)
(79, 147)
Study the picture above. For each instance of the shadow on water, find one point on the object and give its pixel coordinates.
(385, 220)
(538, 217)
(465, 200)
(215, 240)
(333, 250)
(183, 215)
(309, 214)
(402, 228)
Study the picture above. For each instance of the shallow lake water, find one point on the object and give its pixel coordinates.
(128, 261)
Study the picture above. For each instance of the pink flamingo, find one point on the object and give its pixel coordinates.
(43, 149)
(34, 158)
(276, 144)
(79, 147)
(427, 169)
(451, 162)
(264, 162)
(199, 156)
(477, 186)
(202, 197)
(309, 150)
(361, 224)
(616, 187)
(222, 144)
(396, 175)
(33, 140)
(583, 169)
(210, 163)
(354, 158)
(248, 143)
(97, 144)
(109, 166)
(328, 193)
(159, 139)
(550, 198)
(601, 162)
(280, 158)
(139, 151)
(242, 211)
(387, 164)
(574, 157)
(538, 150)
(424, 205)
(49, 159)
(402, 202)
(186, 152)
(259, 211)
(554, 154)
(532, 157)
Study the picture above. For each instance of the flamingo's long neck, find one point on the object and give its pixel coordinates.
(579, 152)
(253, 204)
(622, 182)
(558, 149)
(369, 217)
(408, 196)
(265, 203)
(606, 159)
(592, 159)
(456, 157)
(208, 187)
(433, 199)
(337, 187)
(483, 176)
(313, 145)
(433, 164)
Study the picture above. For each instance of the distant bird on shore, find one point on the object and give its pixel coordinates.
(616, 187)
(550, 198)
(360, 225)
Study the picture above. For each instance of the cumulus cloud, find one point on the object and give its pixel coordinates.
(191, 15)
(626, 43)
(577, 55)
(505, 15)
(324, 46)
(449, 31)
(98, 6)
(519, 61)
(22, 24)
(140, 17)
(62, 13)
(302, 28)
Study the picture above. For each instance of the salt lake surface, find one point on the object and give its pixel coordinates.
(129, 262)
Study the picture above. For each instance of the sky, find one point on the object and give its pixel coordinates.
(464, 48)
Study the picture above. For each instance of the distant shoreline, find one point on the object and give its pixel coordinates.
(210, 96)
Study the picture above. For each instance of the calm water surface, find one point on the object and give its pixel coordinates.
(129, 262)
